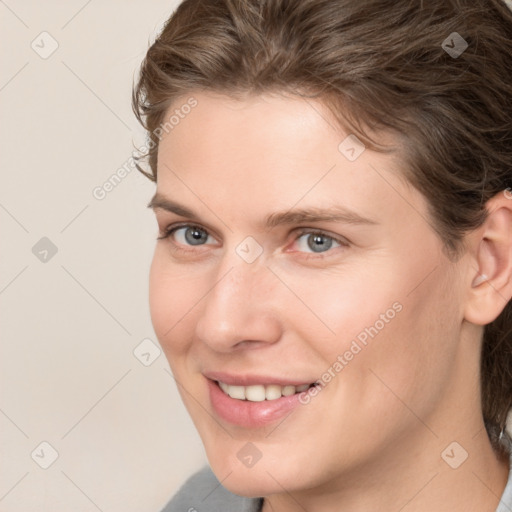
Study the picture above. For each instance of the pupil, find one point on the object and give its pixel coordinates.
(322, 242)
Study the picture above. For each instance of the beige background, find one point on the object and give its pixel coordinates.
(70, 323)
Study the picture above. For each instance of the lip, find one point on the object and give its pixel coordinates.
(251, 380)
(247, 414)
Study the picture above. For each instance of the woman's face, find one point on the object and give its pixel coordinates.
(257, 288)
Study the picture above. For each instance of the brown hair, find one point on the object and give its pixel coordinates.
(377, 65)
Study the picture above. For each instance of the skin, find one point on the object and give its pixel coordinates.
(372, 439)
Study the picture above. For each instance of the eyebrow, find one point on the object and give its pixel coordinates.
(334, 213)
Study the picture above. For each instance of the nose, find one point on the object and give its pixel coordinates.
(240, 309)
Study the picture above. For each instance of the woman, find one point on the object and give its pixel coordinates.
(332, 280)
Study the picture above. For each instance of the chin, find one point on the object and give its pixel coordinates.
(264, 478)
(248, 482)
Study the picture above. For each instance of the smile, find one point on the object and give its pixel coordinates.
(261, 392)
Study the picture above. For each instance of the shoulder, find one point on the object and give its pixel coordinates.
(202, 492)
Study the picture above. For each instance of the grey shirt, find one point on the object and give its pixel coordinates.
(202, 492)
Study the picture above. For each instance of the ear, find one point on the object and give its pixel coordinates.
(490, 269)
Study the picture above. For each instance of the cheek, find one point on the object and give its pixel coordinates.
(172, 296)
(409, 363)
(335, 308)
(382, 324)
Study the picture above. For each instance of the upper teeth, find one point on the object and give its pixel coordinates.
(259, 392)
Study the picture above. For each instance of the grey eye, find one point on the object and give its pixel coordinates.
(191, 235)
(316, 242)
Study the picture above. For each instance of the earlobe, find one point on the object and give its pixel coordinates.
(491, 271)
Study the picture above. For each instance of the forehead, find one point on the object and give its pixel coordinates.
(271, 151)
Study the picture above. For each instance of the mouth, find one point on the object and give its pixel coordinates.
(252, 401)
(261, 392)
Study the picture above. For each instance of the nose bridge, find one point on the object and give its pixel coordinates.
(238, 305)
(234, 282)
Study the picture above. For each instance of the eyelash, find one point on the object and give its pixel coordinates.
(168, 232)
